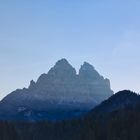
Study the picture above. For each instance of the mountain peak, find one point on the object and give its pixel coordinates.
(60, 89)
(61, 69)
(124, 94)
(87, 67)
(32, 84)
(120, 100)
(62, 61)
(88, 71)
(63, 64)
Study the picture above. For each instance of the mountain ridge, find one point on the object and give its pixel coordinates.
(121, 100)
(60, 89)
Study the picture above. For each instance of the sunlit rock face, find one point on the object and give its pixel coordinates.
(60, 89)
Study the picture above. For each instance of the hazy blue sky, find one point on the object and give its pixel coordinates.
(34, 34)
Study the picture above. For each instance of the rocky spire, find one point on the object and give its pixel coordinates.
(87, 71)
(32, 84)
(62, 68)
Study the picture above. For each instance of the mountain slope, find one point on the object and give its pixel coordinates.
(122, 100)
(121, 123)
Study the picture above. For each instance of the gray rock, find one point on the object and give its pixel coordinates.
(61, 88)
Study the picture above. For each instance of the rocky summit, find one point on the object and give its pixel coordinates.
(59, 94)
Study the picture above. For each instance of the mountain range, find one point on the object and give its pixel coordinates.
(59, 94)
(64, 105)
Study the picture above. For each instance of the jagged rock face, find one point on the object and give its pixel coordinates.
(61, 88)
(62, 84)
(87, 72)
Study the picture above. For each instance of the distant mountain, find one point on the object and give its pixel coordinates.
(119, 100)
(117, 118)
(59, 94)
(122, 100)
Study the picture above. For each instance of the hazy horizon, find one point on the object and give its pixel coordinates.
(34, 35)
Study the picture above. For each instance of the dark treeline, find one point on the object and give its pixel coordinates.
(121, 125)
